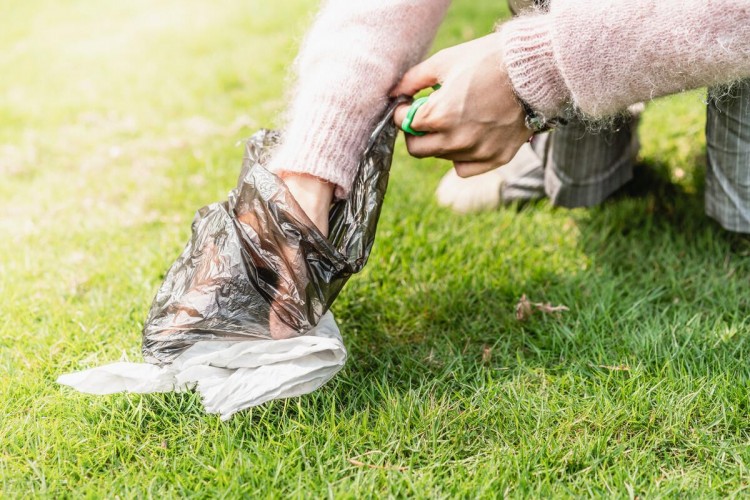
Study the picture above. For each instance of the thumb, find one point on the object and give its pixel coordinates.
(421, 76)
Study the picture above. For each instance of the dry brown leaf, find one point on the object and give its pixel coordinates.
(548, 308)
(379, 467)
(525, 308)
(486, 354)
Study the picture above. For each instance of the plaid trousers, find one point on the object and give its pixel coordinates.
(728, 150)
(582, 168)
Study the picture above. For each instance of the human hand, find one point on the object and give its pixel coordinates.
(314, 196)
(474, 119)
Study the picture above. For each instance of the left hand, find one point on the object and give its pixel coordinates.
(474, 119)
(314, 196)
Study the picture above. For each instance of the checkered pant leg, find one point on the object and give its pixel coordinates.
(583, 168)
(728, 151)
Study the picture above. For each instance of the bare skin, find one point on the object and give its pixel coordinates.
(314, 196)
(474, 120)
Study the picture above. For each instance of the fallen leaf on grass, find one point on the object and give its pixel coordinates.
(525, 308)
(379, 467)
(486, 354)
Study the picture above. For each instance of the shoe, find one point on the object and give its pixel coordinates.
(522, 179)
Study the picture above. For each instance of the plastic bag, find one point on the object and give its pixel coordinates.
(258, 249)
(229, 376)
(253, 256)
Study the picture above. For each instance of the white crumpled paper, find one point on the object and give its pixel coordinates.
(229, 375)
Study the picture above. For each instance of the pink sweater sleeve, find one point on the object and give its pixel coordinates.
(352, 56)
(603, 55)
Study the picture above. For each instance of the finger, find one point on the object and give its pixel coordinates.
(422, 121)
(399, 115)
(434, 144)
(464, 156)
(421, 76)
(469, 169)
(465, 150)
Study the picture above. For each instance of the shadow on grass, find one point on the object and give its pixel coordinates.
(651, 207)
(665, 288)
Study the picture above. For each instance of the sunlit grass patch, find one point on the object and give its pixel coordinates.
(119, 119)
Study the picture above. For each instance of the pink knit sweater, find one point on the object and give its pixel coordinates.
(598, 56)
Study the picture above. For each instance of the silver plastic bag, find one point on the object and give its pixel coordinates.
(257, 257)
(253, 260)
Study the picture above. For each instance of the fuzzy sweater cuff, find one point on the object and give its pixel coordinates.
(328, 138)
(530, 62)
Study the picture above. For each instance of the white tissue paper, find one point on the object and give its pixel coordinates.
(229, 375)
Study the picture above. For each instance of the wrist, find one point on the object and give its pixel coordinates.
(311, 185)
(313, 195)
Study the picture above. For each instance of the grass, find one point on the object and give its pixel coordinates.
(119, 120)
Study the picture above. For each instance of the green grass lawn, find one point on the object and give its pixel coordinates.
(119, 119)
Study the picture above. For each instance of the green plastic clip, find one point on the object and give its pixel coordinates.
(406, 125)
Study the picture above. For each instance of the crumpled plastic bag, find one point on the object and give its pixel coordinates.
(229, 375)
(251, 258)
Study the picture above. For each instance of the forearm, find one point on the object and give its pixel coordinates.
(600, 56)
(352, 56)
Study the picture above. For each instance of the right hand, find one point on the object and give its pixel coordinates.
(474, 119)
